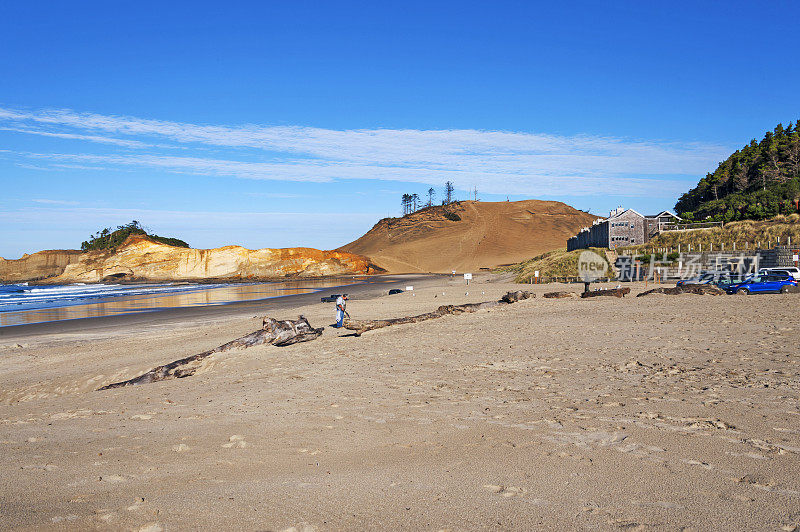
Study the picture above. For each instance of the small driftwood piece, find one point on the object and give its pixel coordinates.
(558, 295)
(615, 292)
(273, 332)
(362, 326)
(699, 289)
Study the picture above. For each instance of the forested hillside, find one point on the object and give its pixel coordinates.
(758, 181)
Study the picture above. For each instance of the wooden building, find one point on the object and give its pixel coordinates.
(623, 227)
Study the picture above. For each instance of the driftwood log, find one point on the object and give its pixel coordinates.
(558, 295)
(615, 292)
(700, 289)
(362, 326)
(273, 332)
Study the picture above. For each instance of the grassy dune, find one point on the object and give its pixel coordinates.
(752, 233)
(551, 265)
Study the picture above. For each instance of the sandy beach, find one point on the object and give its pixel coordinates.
(660, 412)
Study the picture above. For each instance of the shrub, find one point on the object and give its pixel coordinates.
(112, 239)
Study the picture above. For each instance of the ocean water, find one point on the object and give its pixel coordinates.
(23, 303)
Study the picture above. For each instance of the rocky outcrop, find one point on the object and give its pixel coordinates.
(141, 259)
(37, 266)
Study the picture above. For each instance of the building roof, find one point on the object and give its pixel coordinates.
(665, 212)
(623, 212)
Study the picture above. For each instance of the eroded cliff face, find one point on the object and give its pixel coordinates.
(39, 265)
(140, 259)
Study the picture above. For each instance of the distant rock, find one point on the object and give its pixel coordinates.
(37, 266)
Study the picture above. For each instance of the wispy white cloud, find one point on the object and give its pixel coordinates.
(494, 161)
(274, 195)
(54, 202)
(74, 136)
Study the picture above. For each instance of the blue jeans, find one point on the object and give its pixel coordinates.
(339, 317)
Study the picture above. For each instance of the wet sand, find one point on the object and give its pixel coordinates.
(660, 412)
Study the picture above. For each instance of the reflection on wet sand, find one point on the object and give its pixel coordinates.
(203, 296)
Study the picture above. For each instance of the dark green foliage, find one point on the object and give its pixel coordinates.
(452, 216)
(757, 182)
(108, 239)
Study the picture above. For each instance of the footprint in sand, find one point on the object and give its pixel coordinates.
(136, 504)
(46, 467)
(309, 452)
(506, 491)
(235, 442)
(59, 519)
(112, 478)
(300, 528)
(704, 465)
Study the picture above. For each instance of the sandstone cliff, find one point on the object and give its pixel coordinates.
(37, 266)
(141, 259)
(469, 235)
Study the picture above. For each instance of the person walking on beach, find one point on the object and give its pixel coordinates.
(341, 306)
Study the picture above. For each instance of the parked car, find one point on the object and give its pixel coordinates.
(773, 282)
(735, 278)
(706, 277)
(794, 271)
(394, 291)
(330, 299)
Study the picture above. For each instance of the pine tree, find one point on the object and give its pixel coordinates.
(448, 193)
(406, 203)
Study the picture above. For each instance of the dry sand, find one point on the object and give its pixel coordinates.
(665, 412)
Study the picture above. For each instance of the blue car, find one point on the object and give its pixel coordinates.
(772, 282)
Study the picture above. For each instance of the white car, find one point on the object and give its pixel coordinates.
(794, 271)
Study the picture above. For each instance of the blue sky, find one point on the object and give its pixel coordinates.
(302, 123)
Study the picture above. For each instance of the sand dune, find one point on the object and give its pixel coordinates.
(489, 234)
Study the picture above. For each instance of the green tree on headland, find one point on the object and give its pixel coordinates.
(759, 181)
(111, 239)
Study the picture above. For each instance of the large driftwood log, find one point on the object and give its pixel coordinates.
(558, 295)
(362, 326)
(274, 332)
(699, 289)
(615, 292)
